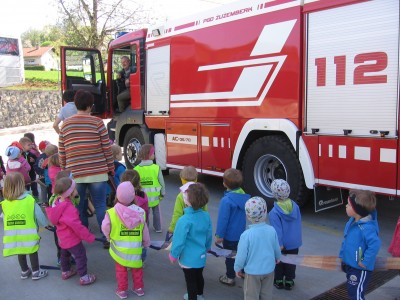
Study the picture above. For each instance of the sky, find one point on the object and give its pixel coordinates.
(35, 14)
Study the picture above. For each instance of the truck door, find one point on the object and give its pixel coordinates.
(82, 69)
(182, 144)
(216, 153)
(352, 94)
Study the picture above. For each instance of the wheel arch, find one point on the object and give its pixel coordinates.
(128, 119)
(257, 128)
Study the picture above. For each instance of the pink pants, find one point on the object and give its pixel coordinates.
(122, 277)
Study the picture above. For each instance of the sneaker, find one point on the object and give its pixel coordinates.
(138, 292)
(68, 274)
(279, 284)
(58, 261)
(226, 280)
(87, 279)
(39, 274)
(26, 274)
(158, 230)
(121, 294)
(289, 284)
(199, 297)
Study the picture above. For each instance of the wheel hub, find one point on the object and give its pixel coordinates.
(132, 151)
(267, 169)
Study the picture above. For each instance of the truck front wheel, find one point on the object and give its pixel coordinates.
(270, 158)
(133, 141)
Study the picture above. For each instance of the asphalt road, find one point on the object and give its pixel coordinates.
(322, 235)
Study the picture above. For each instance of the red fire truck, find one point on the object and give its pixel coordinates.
(304, 90)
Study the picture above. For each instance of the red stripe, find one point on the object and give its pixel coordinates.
(321, 5)
(187, 25)
(275, 3)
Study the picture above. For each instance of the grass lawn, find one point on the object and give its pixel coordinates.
(43, 80)
(53, 76)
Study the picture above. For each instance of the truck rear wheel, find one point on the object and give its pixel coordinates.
(133, 141)
(270, 158)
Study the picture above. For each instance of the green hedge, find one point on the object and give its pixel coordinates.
(35, 68)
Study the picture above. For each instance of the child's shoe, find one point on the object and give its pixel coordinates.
(68, 274)
(199, 297)
(121, 294)
(138, 292)
(289, 284)
(279, 284)
(26, 274)
(226, 280)
(87, 279)
(39, 274)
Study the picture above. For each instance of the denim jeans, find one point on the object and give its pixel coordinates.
(97, 192)
(230, 262)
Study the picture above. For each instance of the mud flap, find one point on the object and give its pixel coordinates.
(327, 197)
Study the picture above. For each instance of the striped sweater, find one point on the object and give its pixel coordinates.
(84, 146)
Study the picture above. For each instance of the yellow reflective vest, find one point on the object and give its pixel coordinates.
(125, 243)
(149, 182)
(20, 229)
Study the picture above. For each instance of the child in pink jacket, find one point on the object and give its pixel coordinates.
(17, 163)
(53, 169)
(125, 227)
(70, 231)
(141, 199)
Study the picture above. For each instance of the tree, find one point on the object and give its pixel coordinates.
(50, 35)
(91, 23)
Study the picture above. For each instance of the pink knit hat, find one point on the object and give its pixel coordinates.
(125, 193)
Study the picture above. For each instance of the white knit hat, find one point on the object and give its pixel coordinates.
(280, 189)
(256, 209)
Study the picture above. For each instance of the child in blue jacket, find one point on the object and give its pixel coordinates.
(361, 242)
(192, 239)
(285, 217)
(231, 219)
(258, 252)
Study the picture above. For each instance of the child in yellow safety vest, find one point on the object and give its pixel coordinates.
(152, 182)
(22, 215)
(125, 227)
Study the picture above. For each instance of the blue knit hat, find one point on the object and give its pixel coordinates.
(12, 152)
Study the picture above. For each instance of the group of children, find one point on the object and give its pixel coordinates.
(139, 192)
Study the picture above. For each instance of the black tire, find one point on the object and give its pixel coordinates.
(133, 141)
(270, 158)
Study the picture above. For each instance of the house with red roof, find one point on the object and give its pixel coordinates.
(41, 56)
